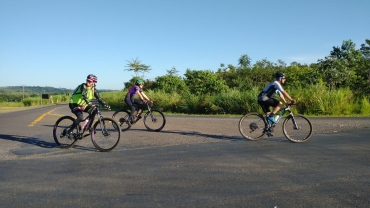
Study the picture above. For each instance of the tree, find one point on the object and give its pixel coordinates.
(244, 61)
(170, 83)
(204, 82)
(172, 72)
(344, 67)
(137, 67)
(363, 72)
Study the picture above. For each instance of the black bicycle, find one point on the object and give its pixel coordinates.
(105, 132)
(154, 120)
(296, 128)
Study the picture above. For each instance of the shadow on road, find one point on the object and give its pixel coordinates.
(40, 143)
(194, 133)
(28, 140)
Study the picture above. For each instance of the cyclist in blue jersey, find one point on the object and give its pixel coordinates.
(81, 101)
(130, 100)
(266, 97)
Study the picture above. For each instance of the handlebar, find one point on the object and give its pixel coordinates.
(105, 107)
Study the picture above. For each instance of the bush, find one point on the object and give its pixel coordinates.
(311, 100)
(27, 102)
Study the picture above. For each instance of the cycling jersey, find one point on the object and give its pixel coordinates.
(133, 91)
(271, 89)
(83, 94)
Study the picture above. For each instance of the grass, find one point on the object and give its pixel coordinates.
(315, 100)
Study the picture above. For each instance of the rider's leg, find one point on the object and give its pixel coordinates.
(129, 102)
(274, 103)
(79, 117)
(277, 108)
(140, 105)
(78, 112)
(266, 109)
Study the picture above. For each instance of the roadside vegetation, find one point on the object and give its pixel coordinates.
(337, 85)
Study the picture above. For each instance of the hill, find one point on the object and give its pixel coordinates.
(18, 93)
(34, 90)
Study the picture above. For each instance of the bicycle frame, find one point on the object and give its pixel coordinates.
(283, 111)
(91, 118)
(149, 108)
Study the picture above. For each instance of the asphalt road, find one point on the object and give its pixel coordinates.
(193, 162)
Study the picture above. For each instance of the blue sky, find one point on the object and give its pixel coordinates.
(59, 42)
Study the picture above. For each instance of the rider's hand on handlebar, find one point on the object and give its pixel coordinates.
(107, 107)
(293, 102)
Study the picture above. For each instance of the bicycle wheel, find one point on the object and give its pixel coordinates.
(297, 128)
(121, 117)
(59, 132)
(105, 135)
(252, 126)
(154, 120)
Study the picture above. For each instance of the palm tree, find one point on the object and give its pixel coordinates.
(137, 66)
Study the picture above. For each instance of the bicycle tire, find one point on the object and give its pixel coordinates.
(59, 132)
(121, 117)
(299, 134)
(154, 120)
(106, 136)
(252, 126)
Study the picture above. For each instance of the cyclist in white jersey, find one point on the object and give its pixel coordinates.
(266, 97)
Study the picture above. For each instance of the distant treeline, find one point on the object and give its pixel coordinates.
(17, 93)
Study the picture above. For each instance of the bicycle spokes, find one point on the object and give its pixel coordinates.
(154, 118)
(252, 126)
(297, 128)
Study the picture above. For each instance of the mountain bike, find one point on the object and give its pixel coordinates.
(105, 132)
(154, 120)
(296, 128)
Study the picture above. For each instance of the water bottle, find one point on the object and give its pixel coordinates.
(277, 117)
(85, 124)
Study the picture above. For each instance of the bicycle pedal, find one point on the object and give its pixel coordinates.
(77, 136)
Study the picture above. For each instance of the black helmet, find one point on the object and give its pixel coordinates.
(92, 78)
(279, 75)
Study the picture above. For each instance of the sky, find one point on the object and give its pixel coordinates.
(58, 43)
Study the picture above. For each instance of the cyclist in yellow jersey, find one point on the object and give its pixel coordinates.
(81, 100)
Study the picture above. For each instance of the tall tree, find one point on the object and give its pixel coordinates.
(339, 68)
(136, 66)
(172, 72)
(244, 61)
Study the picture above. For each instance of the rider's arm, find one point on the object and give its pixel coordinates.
(146, 97)
(287, 95)
(97, 96)
(282, 98)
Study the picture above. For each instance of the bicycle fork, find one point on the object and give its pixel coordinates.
(295, 125)
(103, 127)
